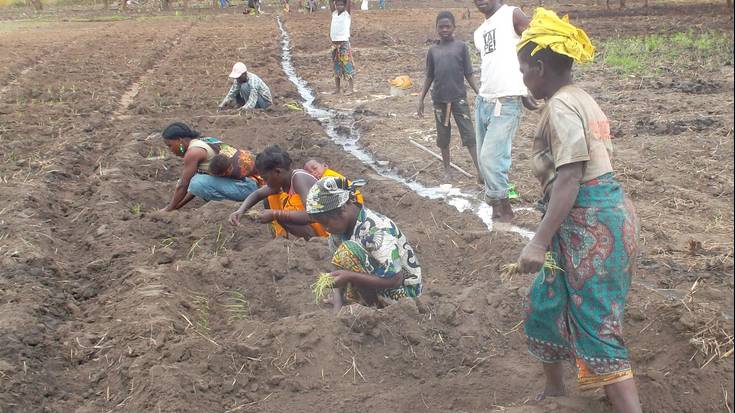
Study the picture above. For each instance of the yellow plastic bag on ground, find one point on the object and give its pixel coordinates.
(402, 82)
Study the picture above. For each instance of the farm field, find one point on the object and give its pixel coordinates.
(108, 305)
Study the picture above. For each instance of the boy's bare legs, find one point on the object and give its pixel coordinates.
(623, 396)
(447, 163)
(350, 86)
(473, 154)
(554, 373)
(337, 85)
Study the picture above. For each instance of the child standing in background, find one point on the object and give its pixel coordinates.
(447, 66)
(341, 50)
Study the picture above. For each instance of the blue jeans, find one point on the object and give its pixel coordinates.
(215, 188)
(495, 132)
(381, 4)
(244, 95)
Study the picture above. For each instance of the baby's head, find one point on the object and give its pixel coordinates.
(315, 168)
(220, 166)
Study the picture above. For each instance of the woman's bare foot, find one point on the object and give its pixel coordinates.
(551, 391)
(554, 387)
(623, 395)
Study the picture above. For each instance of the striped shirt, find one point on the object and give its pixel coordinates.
(257, 85)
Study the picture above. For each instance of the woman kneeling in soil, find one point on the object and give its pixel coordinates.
(196, 180)
(284, 191)
(377, 264)
(590, 227)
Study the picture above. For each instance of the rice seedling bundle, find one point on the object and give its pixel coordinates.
(509, 270)
(321, 287)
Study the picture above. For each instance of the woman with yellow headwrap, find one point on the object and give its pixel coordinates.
(575, 313)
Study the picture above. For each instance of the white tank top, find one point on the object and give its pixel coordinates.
(496, 40)
(340, 28)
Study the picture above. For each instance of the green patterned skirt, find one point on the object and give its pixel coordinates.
(351, 256)
(577, 314)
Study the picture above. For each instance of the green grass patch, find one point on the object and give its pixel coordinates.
(656, 53)
(11, 25)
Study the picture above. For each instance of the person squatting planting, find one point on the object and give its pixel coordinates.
(235, 181)
(575, 313)
(342, 63)
(447, 66)
(285, 190)
(248, 91)
(377, 265)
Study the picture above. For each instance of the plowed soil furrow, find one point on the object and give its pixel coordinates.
(107, 304)
(671, 144)
(20, 53)
(47, 269)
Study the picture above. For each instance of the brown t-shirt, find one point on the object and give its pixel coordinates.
(572, 129)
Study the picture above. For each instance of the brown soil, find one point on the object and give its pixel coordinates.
(108, 305)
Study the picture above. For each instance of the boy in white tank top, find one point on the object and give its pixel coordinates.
(499, 105)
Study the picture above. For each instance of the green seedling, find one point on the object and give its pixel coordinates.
(323, 284)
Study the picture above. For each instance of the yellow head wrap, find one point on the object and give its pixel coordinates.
(548, 30)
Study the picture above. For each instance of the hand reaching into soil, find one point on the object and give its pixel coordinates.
(255, 216)
(235, 218)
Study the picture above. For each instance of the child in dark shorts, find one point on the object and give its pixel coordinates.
(447, 66)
